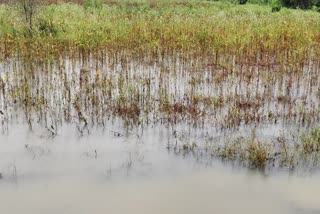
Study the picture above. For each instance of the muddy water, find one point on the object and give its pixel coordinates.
(104, 172)
(65, 165)
(197, 192)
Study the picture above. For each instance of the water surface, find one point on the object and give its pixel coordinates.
(101, 172)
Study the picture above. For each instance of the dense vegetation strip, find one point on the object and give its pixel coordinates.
(205, 27)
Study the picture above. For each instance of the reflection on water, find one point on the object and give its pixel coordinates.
(107, 173)
(93, 89)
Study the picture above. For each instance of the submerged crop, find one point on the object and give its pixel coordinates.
(210, 67)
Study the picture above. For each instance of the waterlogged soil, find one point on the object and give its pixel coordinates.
(104, 172)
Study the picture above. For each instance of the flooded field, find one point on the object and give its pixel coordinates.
(159, 107)
(97, 133)
(262, 116)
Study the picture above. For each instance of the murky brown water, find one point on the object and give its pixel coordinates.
(103, 173)
(198, 192)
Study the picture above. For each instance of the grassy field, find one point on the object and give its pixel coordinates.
(198, 27)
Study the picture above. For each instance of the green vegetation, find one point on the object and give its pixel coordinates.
(303, 4)
(94, 4)
(279, 152)
(196, 27)
(311, 141)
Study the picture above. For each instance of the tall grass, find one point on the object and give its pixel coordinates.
(206, 27)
